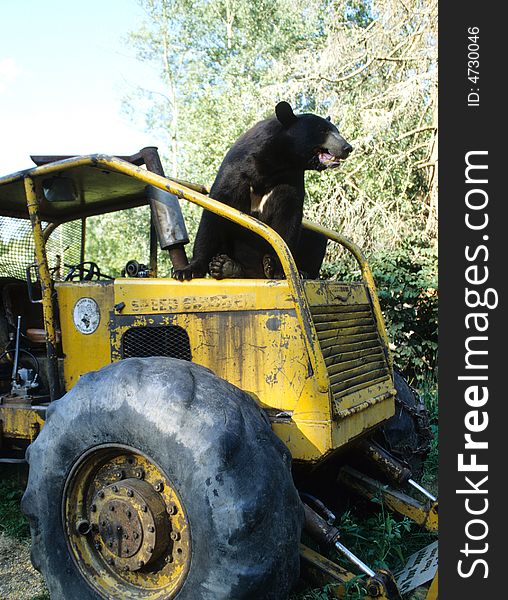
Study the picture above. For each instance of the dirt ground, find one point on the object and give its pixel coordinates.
(18, 579)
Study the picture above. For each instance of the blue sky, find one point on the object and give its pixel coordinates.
(64, 69)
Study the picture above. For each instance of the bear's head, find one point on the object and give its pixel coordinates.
(314, 143)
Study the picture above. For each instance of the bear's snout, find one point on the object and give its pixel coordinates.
(347, 149)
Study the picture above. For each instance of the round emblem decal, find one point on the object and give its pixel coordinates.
(86, 315)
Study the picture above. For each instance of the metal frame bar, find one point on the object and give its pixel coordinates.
(32, 200)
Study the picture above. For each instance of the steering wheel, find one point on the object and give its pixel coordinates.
(85, 271)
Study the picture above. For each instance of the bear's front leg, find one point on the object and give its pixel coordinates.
(282, 210)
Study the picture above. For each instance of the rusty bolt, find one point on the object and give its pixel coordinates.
(171, 509)
(159, 486)
(139, 473)
(119, 474)
(175, 536)
(125, 536)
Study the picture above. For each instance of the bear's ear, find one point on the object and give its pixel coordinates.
(285, 114)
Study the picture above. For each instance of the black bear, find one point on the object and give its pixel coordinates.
(263, 175)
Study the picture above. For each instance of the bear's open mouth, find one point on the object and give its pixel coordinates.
(328, 160)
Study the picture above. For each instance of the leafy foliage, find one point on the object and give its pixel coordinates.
(370, 65)
(12, 522)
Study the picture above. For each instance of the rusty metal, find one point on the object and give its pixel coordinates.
(424, 514)
(120, 530)
(324, 533)
(33, 198)
(320, 571)
(397, 472)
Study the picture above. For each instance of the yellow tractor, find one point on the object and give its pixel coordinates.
(181, 435)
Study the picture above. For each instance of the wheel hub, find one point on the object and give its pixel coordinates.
(124, 518)
(131, 519)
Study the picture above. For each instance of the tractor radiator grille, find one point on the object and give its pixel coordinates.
(351, 347)
(171, 340)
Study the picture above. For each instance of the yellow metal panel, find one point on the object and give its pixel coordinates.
(84, 352)
(19, 421)
(157, 296)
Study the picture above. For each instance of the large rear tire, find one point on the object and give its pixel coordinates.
(154, 478)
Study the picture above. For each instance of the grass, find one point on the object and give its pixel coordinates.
(12, 522)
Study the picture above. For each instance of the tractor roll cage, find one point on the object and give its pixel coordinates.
(193, 193)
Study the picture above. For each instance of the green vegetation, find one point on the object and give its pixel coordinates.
(371, 65)
(12, 522)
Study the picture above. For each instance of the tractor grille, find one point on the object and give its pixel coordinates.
(351, 347)
(171, 340)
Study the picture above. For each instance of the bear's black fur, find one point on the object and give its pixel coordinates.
(263, 175)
